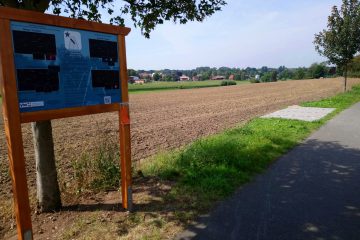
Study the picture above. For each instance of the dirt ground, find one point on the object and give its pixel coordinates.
(167, 120)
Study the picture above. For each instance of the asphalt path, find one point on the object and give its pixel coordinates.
(311, 193)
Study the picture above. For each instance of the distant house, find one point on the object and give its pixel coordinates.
(145, 75)
(139, 81)
(232, 77)
(184, 78)
(218, 77)
(132, 79)
(196, 78)
(257, 77)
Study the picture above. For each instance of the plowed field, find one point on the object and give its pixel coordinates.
(170, 119)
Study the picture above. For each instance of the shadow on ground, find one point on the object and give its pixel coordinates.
(313, 192)
(310, 193)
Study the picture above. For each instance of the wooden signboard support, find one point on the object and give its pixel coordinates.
(13, 118)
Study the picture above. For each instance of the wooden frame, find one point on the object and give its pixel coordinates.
(13, 118)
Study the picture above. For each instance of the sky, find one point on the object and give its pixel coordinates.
(245, 33)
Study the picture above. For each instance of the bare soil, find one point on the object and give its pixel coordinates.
(160, 121)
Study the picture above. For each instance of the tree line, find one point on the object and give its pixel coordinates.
(263, 74)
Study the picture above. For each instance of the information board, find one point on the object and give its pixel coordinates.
(59, 68)
(53, 67)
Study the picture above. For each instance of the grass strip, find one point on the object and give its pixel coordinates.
(211, 168)
(161, 86)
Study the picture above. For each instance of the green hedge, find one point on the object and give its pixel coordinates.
(228, 83)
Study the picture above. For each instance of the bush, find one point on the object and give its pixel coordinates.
(254, 80)
(228, 83)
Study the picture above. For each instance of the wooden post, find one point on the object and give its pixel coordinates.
(13, 133)
(125, 138)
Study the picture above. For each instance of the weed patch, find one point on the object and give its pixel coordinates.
(99, 170)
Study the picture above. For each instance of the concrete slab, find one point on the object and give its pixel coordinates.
(295, 112)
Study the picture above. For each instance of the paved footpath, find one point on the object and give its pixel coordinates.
(313, 192)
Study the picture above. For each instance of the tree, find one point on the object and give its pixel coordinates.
(317, 70)
(354, 67)
(300, 73)
(205, 76)
(145, 14)
(281, 69)
(168, 78)
(243, 75)
(274, 76)
(237, 77)
(132, 72)
(341, 40)
(285, 74)
(269, 77)
(156, 76)
(264, 69)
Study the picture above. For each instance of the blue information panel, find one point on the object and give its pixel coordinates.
(60, 68)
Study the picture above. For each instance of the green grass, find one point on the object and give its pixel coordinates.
(211, 168)
(98, 171)
(161, 86)
(340, 101)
